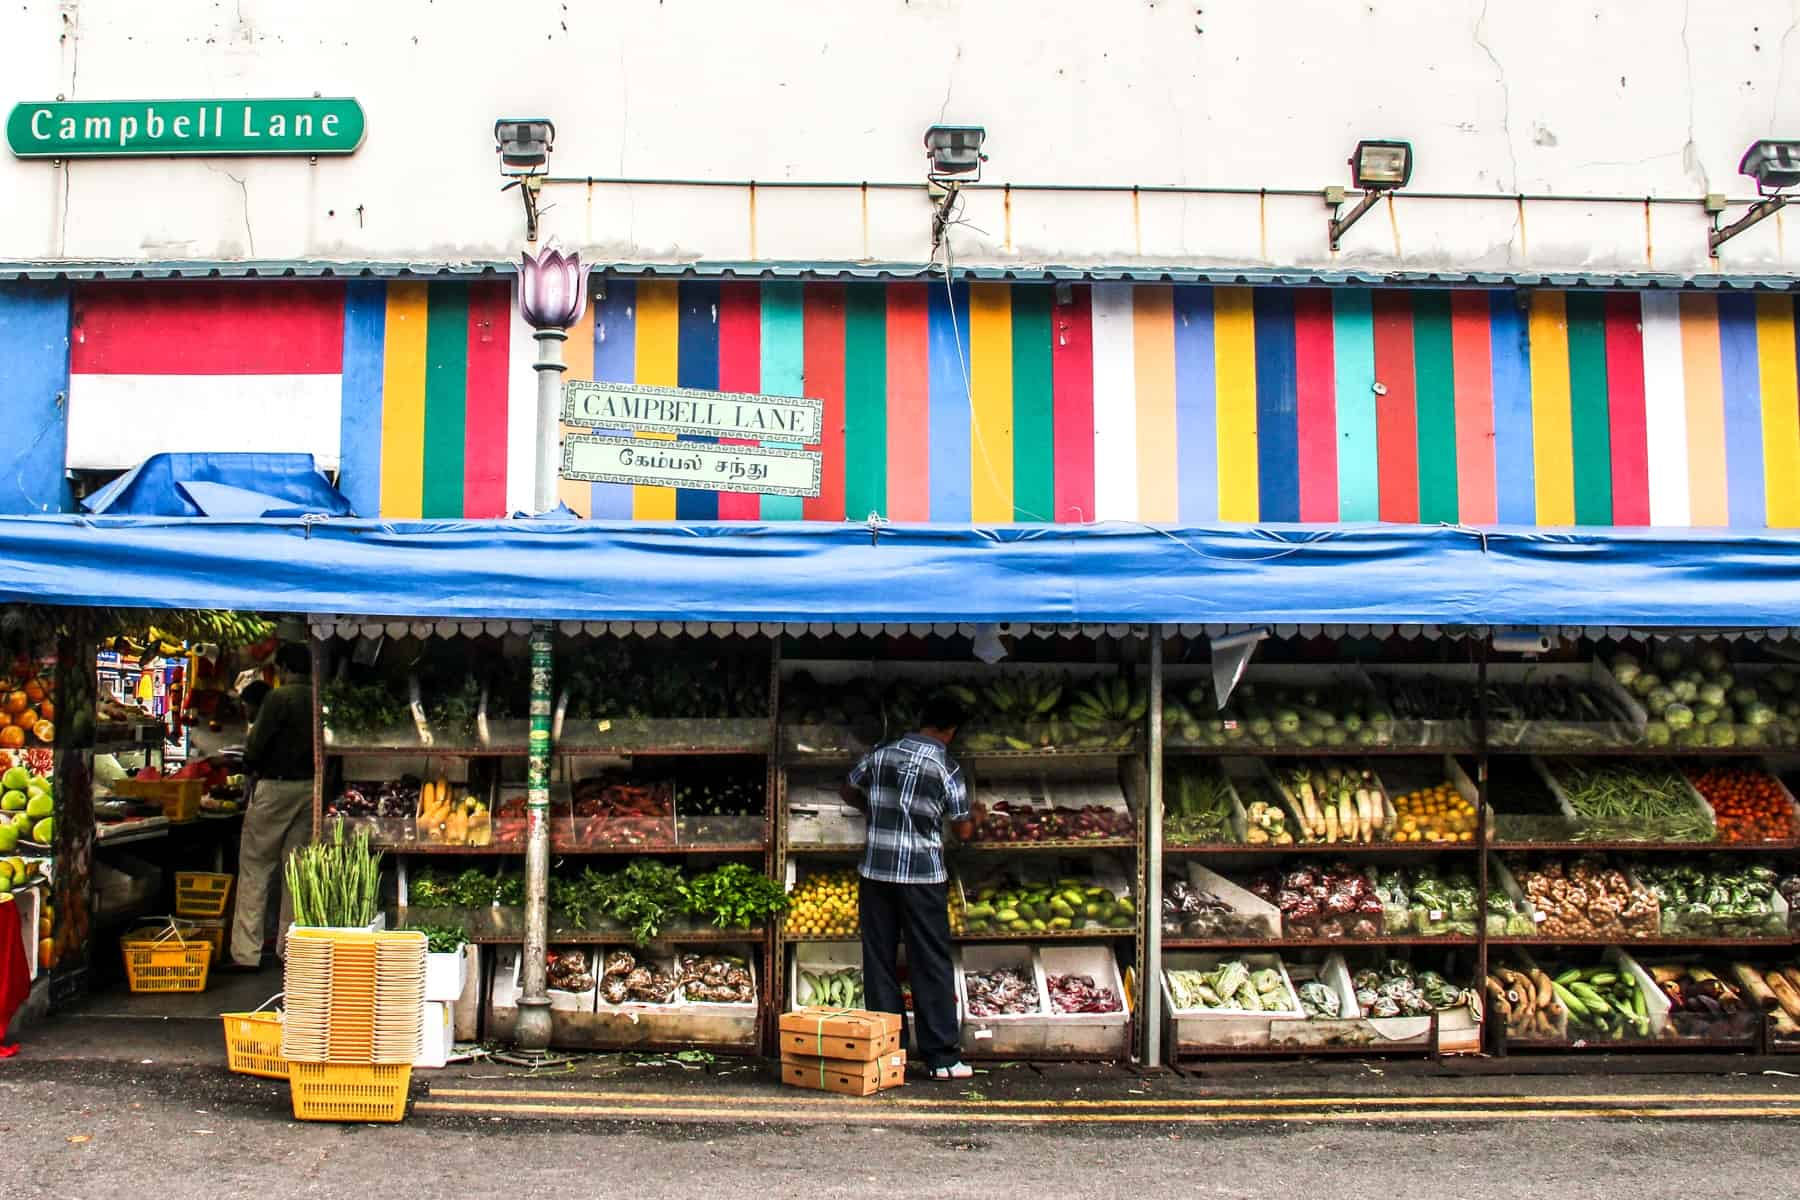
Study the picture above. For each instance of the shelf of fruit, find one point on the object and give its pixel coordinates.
(25, 810)
(1297, 943)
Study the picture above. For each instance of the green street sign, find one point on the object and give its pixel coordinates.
(128, 128)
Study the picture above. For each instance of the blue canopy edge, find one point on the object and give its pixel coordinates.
(1108, 573)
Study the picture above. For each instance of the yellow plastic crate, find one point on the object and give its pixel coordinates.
(180, 798)
(201, 894)
(348, 1091)
(253, 1044)
(163, 960)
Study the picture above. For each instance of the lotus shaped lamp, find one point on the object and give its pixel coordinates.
(551, 291)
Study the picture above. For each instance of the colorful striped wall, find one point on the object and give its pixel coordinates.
(1023, 402)
(996, 402)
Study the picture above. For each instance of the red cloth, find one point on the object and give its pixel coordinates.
(15, 971)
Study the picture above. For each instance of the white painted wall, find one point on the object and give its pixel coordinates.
(1650, 98)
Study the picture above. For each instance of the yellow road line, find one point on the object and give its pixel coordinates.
(1210, 1102)
(883, 1115)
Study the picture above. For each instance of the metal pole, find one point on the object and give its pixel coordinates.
(1150, 912)
(549, 367)
(533, 1032)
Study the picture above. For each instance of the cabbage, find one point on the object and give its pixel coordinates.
(1656, 733)
(1678, 716)
(1669, 660)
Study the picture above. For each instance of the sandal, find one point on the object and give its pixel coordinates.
(960, 1070)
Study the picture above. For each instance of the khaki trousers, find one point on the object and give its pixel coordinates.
(278, 822)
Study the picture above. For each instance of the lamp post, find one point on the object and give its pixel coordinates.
(552, 294)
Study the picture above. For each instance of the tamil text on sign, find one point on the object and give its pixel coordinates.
(765, 470)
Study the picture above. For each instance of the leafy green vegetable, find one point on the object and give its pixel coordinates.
(734, 897)
(442, 939)
(351, 708)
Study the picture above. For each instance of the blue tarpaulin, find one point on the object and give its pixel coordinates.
(591, 570)
(226, 484)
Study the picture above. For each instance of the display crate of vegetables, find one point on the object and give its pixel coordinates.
(1775, 989)
(1714, 900)
(1322, 901)
(1201, 807)
(825, 975)
(1335, 1021)
(1594, 999)
(1697, 698)
(387, 808)
(620, 809)
(1282, 708)
(1427, 900)
(1706, 1001)
(635, 696)
(721, 802)
(1525, 808)
(503, 720)
(1590, 898)
(1051, 810)
(1614, 800)
(1000, 992)
(1046, 899)
(1551, 706)
(372, 716)
(1088, 1016)
(1750, 804)
(1435, 801)
(1226, 1001)
(487, 905)
(1333, 802)
(1201, 905)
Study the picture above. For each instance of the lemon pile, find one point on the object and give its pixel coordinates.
(825, 905)
(1434, 814)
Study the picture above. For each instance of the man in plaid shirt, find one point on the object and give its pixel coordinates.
(909, 788)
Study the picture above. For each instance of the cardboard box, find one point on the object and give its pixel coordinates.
(844, 1076)
(845, 1034)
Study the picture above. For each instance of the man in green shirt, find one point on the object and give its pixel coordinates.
(279, 753)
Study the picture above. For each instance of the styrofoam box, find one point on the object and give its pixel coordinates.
(1226, 1027)
(1021, 1035)
(818, 957)
(1098, 1034)
(1402, 775)
(662, 962)
(561, 1001)
(445, 976)
(737, 950)
(1656, 1001)
(1292, 802)
(439, 1036)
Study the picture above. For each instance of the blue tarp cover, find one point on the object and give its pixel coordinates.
(225, 484)
(590, 570)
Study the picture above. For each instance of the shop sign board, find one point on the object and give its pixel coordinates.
(640, 408)
(653, 462)
(150, 128)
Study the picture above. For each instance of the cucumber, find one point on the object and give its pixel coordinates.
(1569, 999)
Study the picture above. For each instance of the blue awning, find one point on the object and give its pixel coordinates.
(1109, 573)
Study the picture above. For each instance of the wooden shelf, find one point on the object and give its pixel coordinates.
(1172, 750)
(1333, 848)
(1761, 943)
(1303, 943)
(1057, 844)
(1518, 847)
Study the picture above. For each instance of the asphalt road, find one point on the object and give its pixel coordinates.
(96, 1130)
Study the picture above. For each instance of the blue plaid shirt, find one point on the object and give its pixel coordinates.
(913, 786)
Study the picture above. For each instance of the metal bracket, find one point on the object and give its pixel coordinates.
(1768, 206)
(529, 187)
(1340, 224)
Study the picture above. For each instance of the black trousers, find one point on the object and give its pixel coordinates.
(915, 911)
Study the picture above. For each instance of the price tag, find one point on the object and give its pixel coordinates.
(603, 726)
(981, 1034)
(1539, 918)
(1437, 914)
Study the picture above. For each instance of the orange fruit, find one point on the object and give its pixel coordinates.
(12, 736)
(34, 691)
(26, 719)
(17, 702)
(46, 710)
(45, 730)
(46, 954)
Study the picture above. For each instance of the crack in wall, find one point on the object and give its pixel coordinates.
(1512, 156)
(1781, 63)
(244, 192)
(1690, 154)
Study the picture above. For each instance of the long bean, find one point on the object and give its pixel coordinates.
(1625, 802)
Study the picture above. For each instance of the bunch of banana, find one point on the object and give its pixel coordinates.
(1101, 707)
(832, 989)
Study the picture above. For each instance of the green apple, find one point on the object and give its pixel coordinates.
(42, 831)
(13, 801)
(16, 779)
(9, 840)
(39, 806)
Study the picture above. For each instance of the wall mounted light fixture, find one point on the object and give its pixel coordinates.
(1775, 165)
(1376, 167)
(954, 156)
(524, 145)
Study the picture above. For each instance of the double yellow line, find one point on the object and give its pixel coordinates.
(898, 1109)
